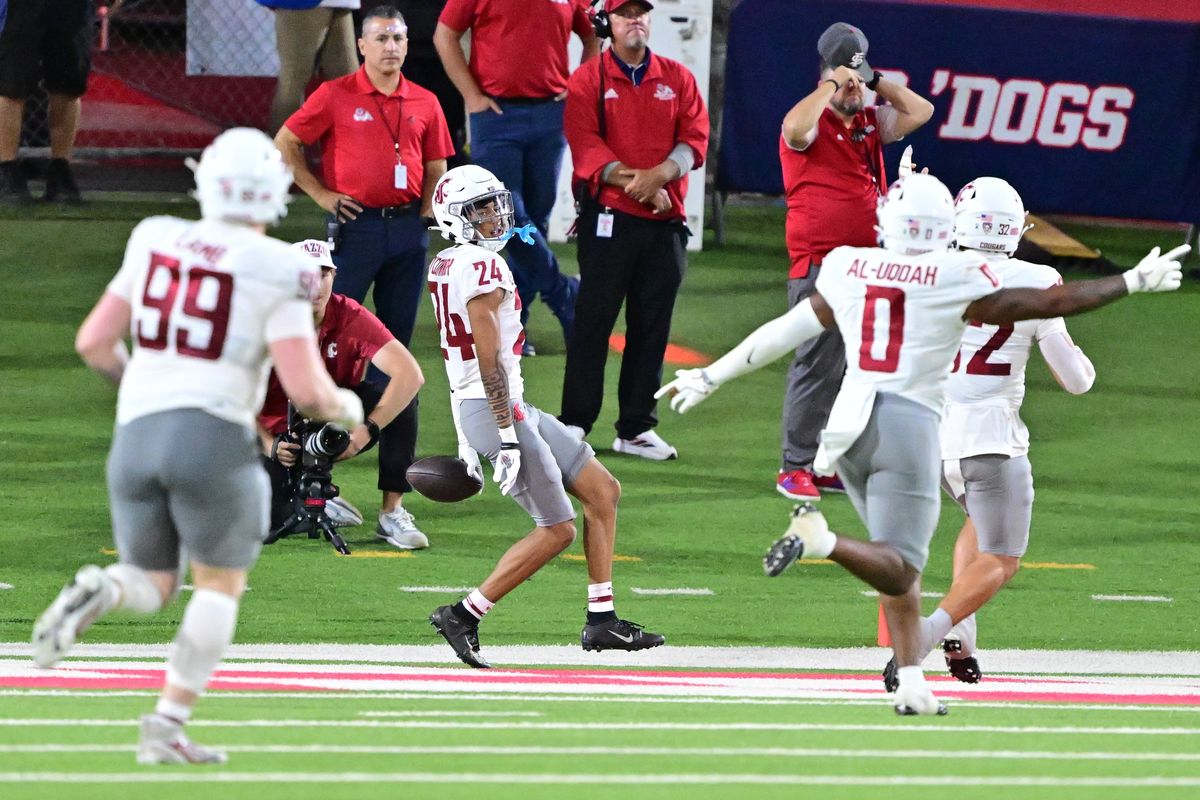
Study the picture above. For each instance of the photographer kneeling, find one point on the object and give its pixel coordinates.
(348, 337)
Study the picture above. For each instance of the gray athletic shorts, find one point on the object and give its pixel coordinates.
(891, 476)
(997, 492)
(551, 458)
(186, 480)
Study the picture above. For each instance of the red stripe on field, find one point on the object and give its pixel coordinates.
(676, 355)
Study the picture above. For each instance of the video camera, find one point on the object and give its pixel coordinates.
(310, 481)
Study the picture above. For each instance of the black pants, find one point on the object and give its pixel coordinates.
(396, 454)
(641, 265)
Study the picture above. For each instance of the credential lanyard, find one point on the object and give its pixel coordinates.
(387, 126)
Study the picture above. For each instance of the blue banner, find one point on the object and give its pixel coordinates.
(1083, 115)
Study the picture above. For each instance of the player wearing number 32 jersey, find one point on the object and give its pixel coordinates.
(208, 305)
(537, 461)
(901, 310)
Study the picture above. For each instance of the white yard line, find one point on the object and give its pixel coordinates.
(682, 590)
(471, 714)
(791, 659)
(437, 589)
(698, 752)
(599, 779)
(1133, 598)
(42, 722)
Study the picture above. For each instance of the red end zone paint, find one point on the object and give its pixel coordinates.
(749, 684)
(676, 355)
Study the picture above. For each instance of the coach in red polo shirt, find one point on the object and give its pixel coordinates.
(831, 150)
(349, 338)
(384, 144)
(636, 124)
(513, 89)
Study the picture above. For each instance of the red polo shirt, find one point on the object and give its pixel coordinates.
(519, 47)
(832, 188)
(349, 337)
(643, 124)
(357, 126)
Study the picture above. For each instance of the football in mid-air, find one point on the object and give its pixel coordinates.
(443, 478)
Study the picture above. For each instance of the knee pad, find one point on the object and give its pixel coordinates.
(204, 636)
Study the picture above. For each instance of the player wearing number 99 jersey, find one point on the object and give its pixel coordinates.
(207, 303)
(537, 461)
(901, 310)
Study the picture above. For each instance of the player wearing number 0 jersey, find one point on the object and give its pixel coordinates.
(901, 310)
(536, 460)
(207, 303)
(985, 443)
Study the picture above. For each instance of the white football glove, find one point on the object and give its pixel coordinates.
(507, 464)
(467, 455)
(350, 415)
(690, 388)
(906, 163)
(1157, 273)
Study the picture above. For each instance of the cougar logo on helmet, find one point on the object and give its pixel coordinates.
(989, 215)
(916, 215)
(471, 206)
(242, 177)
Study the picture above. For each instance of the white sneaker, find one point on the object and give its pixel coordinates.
(342, 514)
(162, 741)
(577, 433)
(917, 699)
(80, 603)
(399, 529)
(647, 445)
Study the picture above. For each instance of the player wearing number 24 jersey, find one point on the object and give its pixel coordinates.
(537, 461)
(901, 309)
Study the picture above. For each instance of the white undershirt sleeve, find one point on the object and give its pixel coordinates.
(781, 335)
(1071, 368)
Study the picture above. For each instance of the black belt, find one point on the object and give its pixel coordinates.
(526, 101)
(391, 212)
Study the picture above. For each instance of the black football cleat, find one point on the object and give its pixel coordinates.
(965, 668)
(619, 634)
(60, 184)
(462, 636)
(891, 677)
(786, 550)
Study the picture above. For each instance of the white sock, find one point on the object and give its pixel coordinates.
(600, 597)
(137, 593)
(966, 633)
(204, 636)
(476, 604)
(812, 529)
(911, 677)
(934, 628)
(172, 710)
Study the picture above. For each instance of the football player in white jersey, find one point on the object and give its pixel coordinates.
(536, 460)
(209, 305)
(902, 310)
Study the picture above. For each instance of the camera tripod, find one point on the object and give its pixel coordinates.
(308, 514)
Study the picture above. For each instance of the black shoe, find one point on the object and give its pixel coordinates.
(891, 676)
(618, 634)
(13, 188)
(965, 668)
(463, 637)
(60, 184)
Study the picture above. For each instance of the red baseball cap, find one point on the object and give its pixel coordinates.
(612, 5)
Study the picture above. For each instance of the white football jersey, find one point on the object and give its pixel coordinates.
(207, 298)
(901, 318)
(457, 275)
(987, 385)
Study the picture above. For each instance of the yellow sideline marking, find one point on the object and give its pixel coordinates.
(108, 551)
(381, 554)
(580, 557)
(1054, 565)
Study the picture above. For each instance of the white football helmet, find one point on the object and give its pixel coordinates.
(916, 215)
(467, 197)
(989, 216)
(241, 177)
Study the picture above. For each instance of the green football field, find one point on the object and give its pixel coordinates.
(1113, 565)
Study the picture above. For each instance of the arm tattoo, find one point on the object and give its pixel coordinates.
(495, 386)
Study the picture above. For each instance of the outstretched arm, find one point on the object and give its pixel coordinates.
(1154, 273)
(806, 319)
(1068, 364)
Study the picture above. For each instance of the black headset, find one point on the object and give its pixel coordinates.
(600, 21)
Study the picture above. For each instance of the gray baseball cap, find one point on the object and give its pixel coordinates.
(843, 45)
